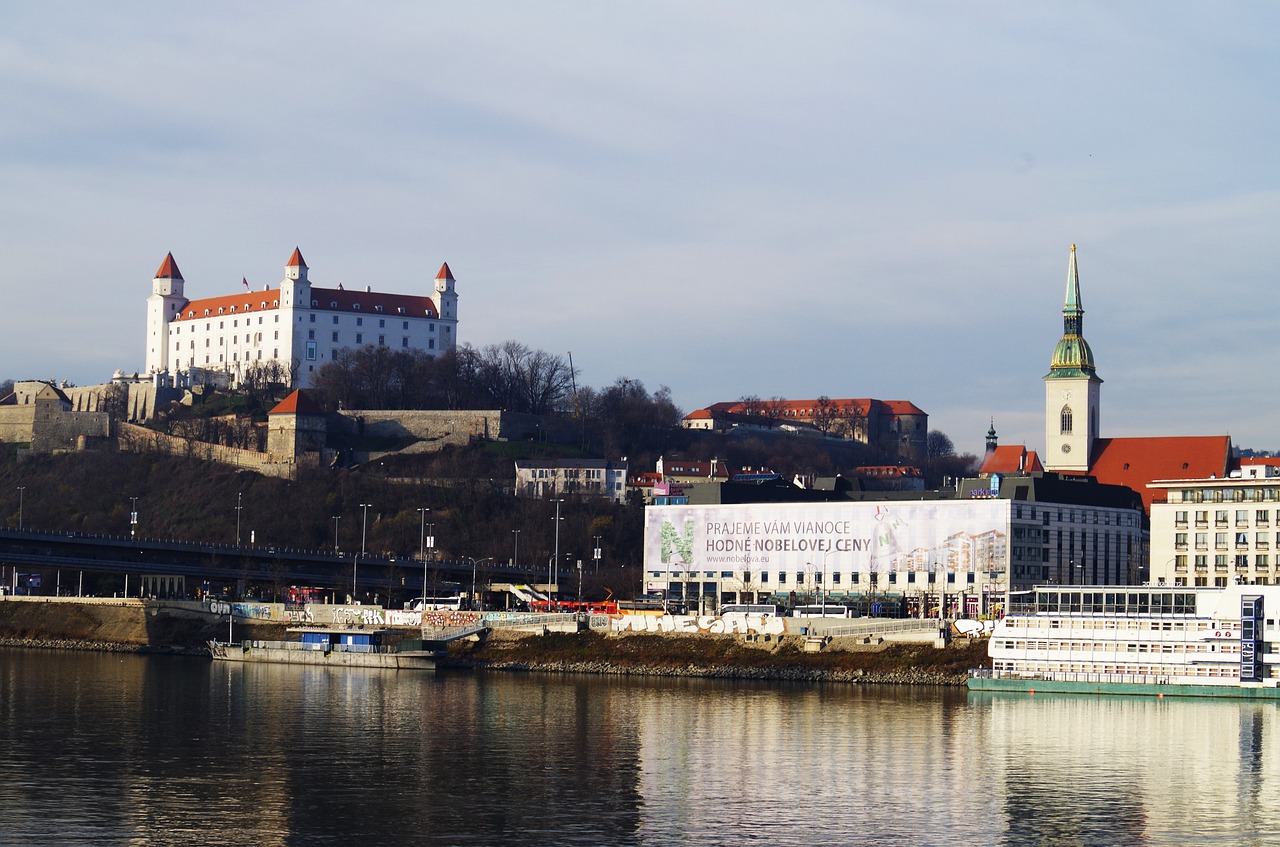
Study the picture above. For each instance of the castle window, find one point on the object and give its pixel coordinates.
(377, 308)
(382, 322)
(359, 321)
(1066, 420)
(400, 310)
(359, 338)
(313, 317)
(335, 336)
(264, 304)
(247, 306)
(335, 319)
(406, 325)
(314, 303)
(404, 342)
(356, 306)
(382, 340)
(333, 304)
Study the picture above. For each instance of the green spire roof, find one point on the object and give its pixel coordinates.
(1072, 357)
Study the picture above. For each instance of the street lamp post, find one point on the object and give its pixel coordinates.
(21, 489)
(422, 551)
(133, 517)
(355, 560)
(239, 496)
(473, 576)
(515, 554)
(595, 554)
(336, 518)
(555, 559)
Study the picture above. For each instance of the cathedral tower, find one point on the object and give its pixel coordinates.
(1071, 389)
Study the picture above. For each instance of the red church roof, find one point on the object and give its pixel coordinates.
(1010, 459)
(445, 273)
(1134, 462)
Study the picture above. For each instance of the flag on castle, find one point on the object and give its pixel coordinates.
(245, 280)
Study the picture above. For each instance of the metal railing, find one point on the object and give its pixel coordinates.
(877, 626)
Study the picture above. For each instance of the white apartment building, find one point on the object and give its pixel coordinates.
(574, 477)
(1219, 531)
(296, 325)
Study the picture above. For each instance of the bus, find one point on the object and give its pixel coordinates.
(829, 610)
(434, 604)
(742, 610)
(646, 606)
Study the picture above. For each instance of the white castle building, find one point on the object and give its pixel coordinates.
(296, 325)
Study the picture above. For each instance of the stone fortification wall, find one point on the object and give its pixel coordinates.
(59, 430)
(136, 439)
(47, 428)
(140, 400)
(17, 424)
(438, 428)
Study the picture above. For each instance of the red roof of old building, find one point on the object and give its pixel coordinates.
(1009, 459)
(168, 268)
(445, 273)
(326, 299)
(295, 261)
(1134, 462)
(297, 403)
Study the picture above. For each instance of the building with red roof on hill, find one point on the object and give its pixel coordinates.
(899, 428)
(288, 332)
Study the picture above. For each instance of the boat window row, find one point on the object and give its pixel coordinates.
(1115, 602)
(1170, 647)
(1144, 624)
(1098, 672)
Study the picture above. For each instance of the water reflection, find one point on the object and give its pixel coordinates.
(101, 749)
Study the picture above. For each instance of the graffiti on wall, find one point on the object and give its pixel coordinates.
(399, 617)
(365, 615)
(741, 625)
(299, 616)
(972, 628)
(441, 618)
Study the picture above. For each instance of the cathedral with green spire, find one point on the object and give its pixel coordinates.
(1072, 388)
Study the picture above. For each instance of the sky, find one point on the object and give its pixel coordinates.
(856, 199)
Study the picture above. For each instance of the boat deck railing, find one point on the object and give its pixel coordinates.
(304, 646)
(879, 626)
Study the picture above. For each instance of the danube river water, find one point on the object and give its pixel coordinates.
(102, 749)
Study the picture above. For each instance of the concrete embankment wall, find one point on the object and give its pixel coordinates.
(129, 623)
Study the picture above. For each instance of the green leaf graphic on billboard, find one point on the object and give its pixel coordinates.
(682, 544)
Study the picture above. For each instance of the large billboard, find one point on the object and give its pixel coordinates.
(957, 536)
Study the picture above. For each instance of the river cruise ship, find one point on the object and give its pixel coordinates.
(1203, 642)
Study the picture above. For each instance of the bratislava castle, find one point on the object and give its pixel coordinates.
(297, 325)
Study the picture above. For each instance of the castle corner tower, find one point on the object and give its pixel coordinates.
(163, 305)
(1071, 388)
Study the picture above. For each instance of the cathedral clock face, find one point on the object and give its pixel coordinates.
(1066, 395)
(1066, 448)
